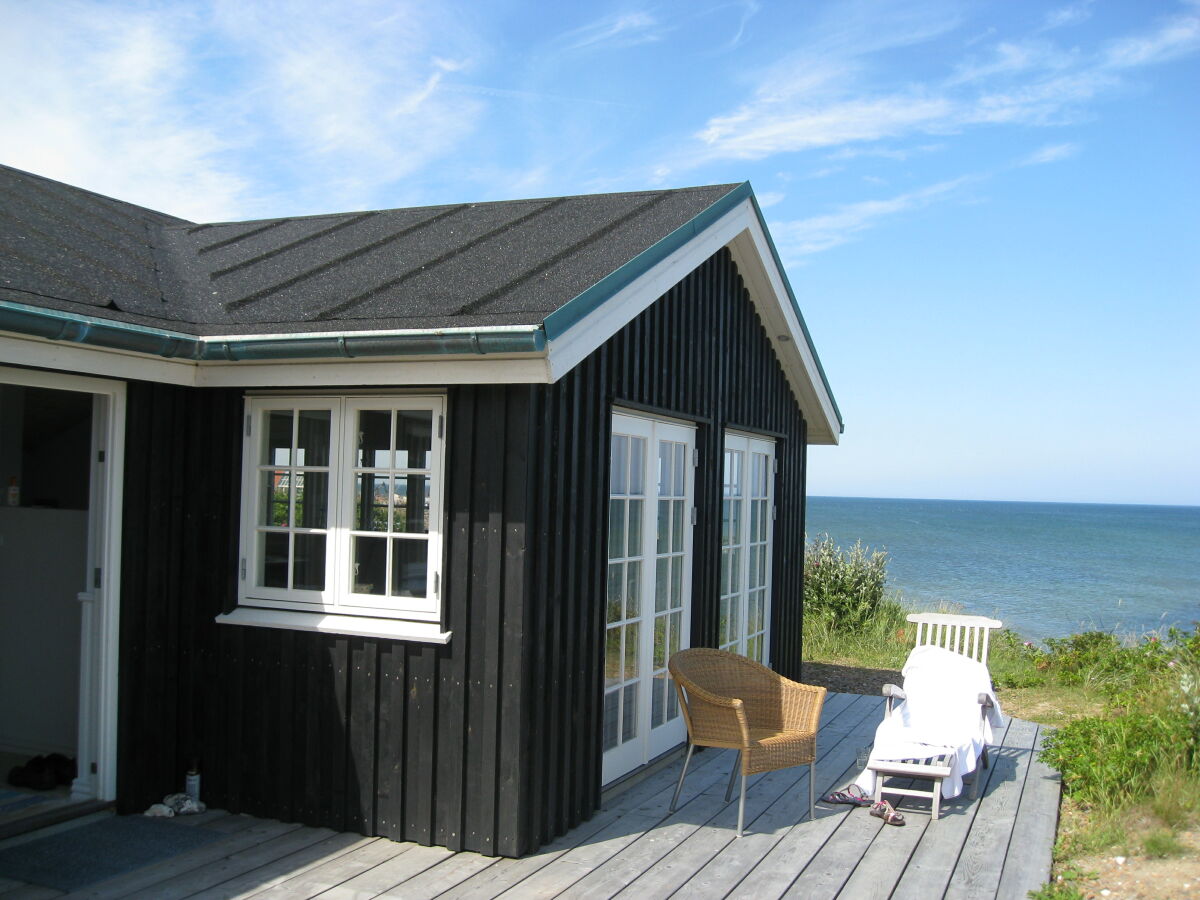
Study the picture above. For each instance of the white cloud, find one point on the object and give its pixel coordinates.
(819, 233)
(769, 198)
(1065, 16)
(826, 95)
(1176, 37)
(1050, 153)
(622, 30)
(184, 107)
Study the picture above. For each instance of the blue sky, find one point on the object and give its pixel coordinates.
(988, 211)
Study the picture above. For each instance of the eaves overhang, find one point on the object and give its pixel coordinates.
(129, 337)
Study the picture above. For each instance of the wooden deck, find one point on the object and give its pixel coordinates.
(998, 846)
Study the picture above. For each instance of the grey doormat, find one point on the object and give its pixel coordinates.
(81, 856)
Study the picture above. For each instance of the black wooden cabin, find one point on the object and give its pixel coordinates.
(409, 507)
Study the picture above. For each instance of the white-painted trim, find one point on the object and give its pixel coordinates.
(393, 332)
(99, 643)
(740, 230)
(32, 351)
(490, 369)
(361, 626)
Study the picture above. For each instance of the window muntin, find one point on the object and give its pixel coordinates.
(747, 527)
(343, 501)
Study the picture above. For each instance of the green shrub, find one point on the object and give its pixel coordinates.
(1162, 843)
(845, 587)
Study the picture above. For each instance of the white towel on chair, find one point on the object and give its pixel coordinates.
(940, 715)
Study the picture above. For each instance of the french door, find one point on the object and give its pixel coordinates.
(747, 527)
(648, 610)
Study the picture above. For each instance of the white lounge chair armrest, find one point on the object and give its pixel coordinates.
(896, 692)
(985, 701)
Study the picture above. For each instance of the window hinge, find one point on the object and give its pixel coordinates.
(441, 425)
(96, 574)
(437, 585)
(693, 515)
(243, 568)
(94, 769)
(695, 456)
(247, 425)
(774, 513)
(775, 464)
(99, 456)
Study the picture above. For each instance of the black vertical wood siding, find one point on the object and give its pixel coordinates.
(491, 742)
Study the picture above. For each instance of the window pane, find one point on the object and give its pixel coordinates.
(677, 526)
(374, 439)
(665, 468)
(723, 627)
(414, 438)
(629, 709)
(662, 583)
(633, 589)
(273, 553)
(274, 489)
(657, 703)
(277, 441)
(672, 700)
(618, 466)
(680, 463)
(410, 506)
(616, 582)
(663, 544)
(612, 713)
(312, 438)
(616, 529)
(676, 629)
(410, 567)
(312, 499)
(637, 466)
(660, 642)
(369, 565)
(371, 502)
(308, 569)
(635, 526)
(676, 582)
(612, 656)
(631, 651)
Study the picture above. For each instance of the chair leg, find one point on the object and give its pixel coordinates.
(985, 756)
(732, 775)
(812, 790)
(679, 787)
(937, 797)
(742, 807)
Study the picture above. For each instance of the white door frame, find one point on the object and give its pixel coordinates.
(652, 741)
(100, 597)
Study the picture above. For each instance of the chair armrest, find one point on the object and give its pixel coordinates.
(714, 720)
(893, 693)
(985, 701)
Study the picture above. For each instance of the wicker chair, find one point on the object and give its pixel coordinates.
(733, 702)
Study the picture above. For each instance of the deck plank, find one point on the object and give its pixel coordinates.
(1027, 867)
(713, 861)
(932, 863)
(998, 846)
(165, 877)
(339, 871)
(982, 859)
(279, 869)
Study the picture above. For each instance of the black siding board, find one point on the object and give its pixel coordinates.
(699, 352)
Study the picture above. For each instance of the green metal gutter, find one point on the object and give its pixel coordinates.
(567, 315)
(56, 325)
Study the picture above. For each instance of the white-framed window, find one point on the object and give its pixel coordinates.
(342, 514)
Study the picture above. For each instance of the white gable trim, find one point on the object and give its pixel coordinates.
(741, 230)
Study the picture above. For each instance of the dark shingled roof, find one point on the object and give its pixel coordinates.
(477, 264)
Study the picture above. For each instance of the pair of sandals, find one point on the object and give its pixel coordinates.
(853, 795)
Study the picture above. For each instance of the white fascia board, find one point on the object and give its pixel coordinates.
(325, 623)
(741, 230)
(88, 360)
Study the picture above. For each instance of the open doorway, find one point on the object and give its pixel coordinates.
(59, 518)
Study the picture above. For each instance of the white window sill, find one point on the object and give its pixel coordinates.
(326, 623)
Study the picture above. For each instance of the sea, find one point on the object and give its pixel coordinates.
(1044, 569)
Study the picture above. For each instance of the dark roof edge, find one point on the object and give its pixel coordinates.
(56, 325)
(580, 306)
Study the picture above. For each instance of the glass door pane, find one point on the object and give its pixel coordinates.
(747, 529)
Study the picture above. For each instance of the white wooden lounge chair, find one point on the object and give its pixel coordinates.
(965, 635)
